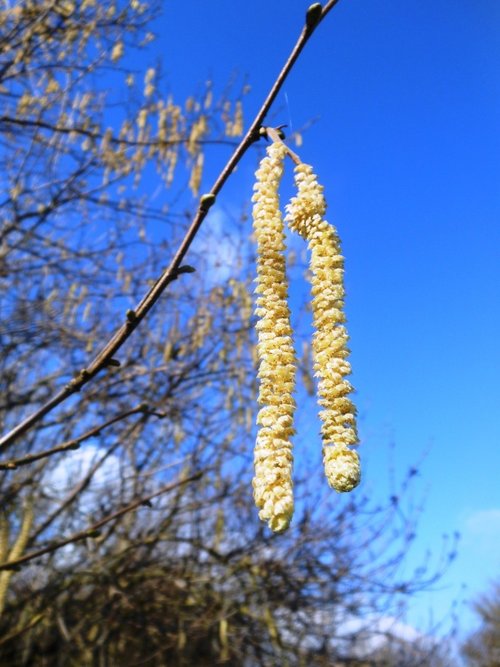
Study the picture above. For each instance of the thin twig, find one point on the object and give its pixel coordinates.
(76, 442)
(19, 631)
(315, 14)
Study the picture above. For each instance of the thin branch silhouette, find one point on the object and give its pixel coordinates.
(75, 443)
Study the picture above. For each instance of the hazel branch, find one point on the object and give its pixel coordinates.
(315, 15)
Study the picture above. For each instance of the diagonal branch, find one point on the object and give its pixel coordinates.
(75, 443)
(314, 15)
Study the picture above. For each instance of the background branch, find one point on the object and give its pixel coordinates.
(92, 531)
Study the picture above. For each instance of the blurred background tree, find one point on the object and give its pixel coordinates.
(482, 648)
(135, 494)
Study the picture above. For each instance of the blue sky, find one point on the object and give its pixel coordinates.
(406, 102)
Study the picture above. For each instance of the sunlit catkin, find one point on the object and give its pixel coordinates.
(305, 215)
(272, 482)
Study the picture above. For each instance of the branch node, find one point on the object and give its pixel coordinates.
(75, 384)
(187, 268)
(206, 201)
(93, 533)
(12, 568)
(131, 316)
(268, 132)
(280, 132)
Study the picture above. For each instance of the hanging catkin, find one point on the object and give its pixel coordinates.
(305, 215)
(272, 484)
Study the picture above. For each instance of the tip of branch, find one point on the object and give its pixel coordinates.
(313, 15)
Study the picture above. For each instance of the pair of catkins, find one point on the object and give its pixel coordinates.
(273, 459)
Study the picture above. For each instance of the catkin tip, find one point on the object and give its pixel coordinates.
(342, 468)
(280, 523)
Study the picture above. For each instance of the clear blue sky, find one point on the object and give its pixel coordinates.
(406, 97)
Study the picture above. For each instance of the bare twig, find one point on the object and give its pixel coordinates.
(76, 442)
(315, 14)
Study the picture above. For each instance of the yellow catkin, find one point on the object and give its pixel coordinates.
(305, 215)
(117, 51)
(272, 484)
(196, 174)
